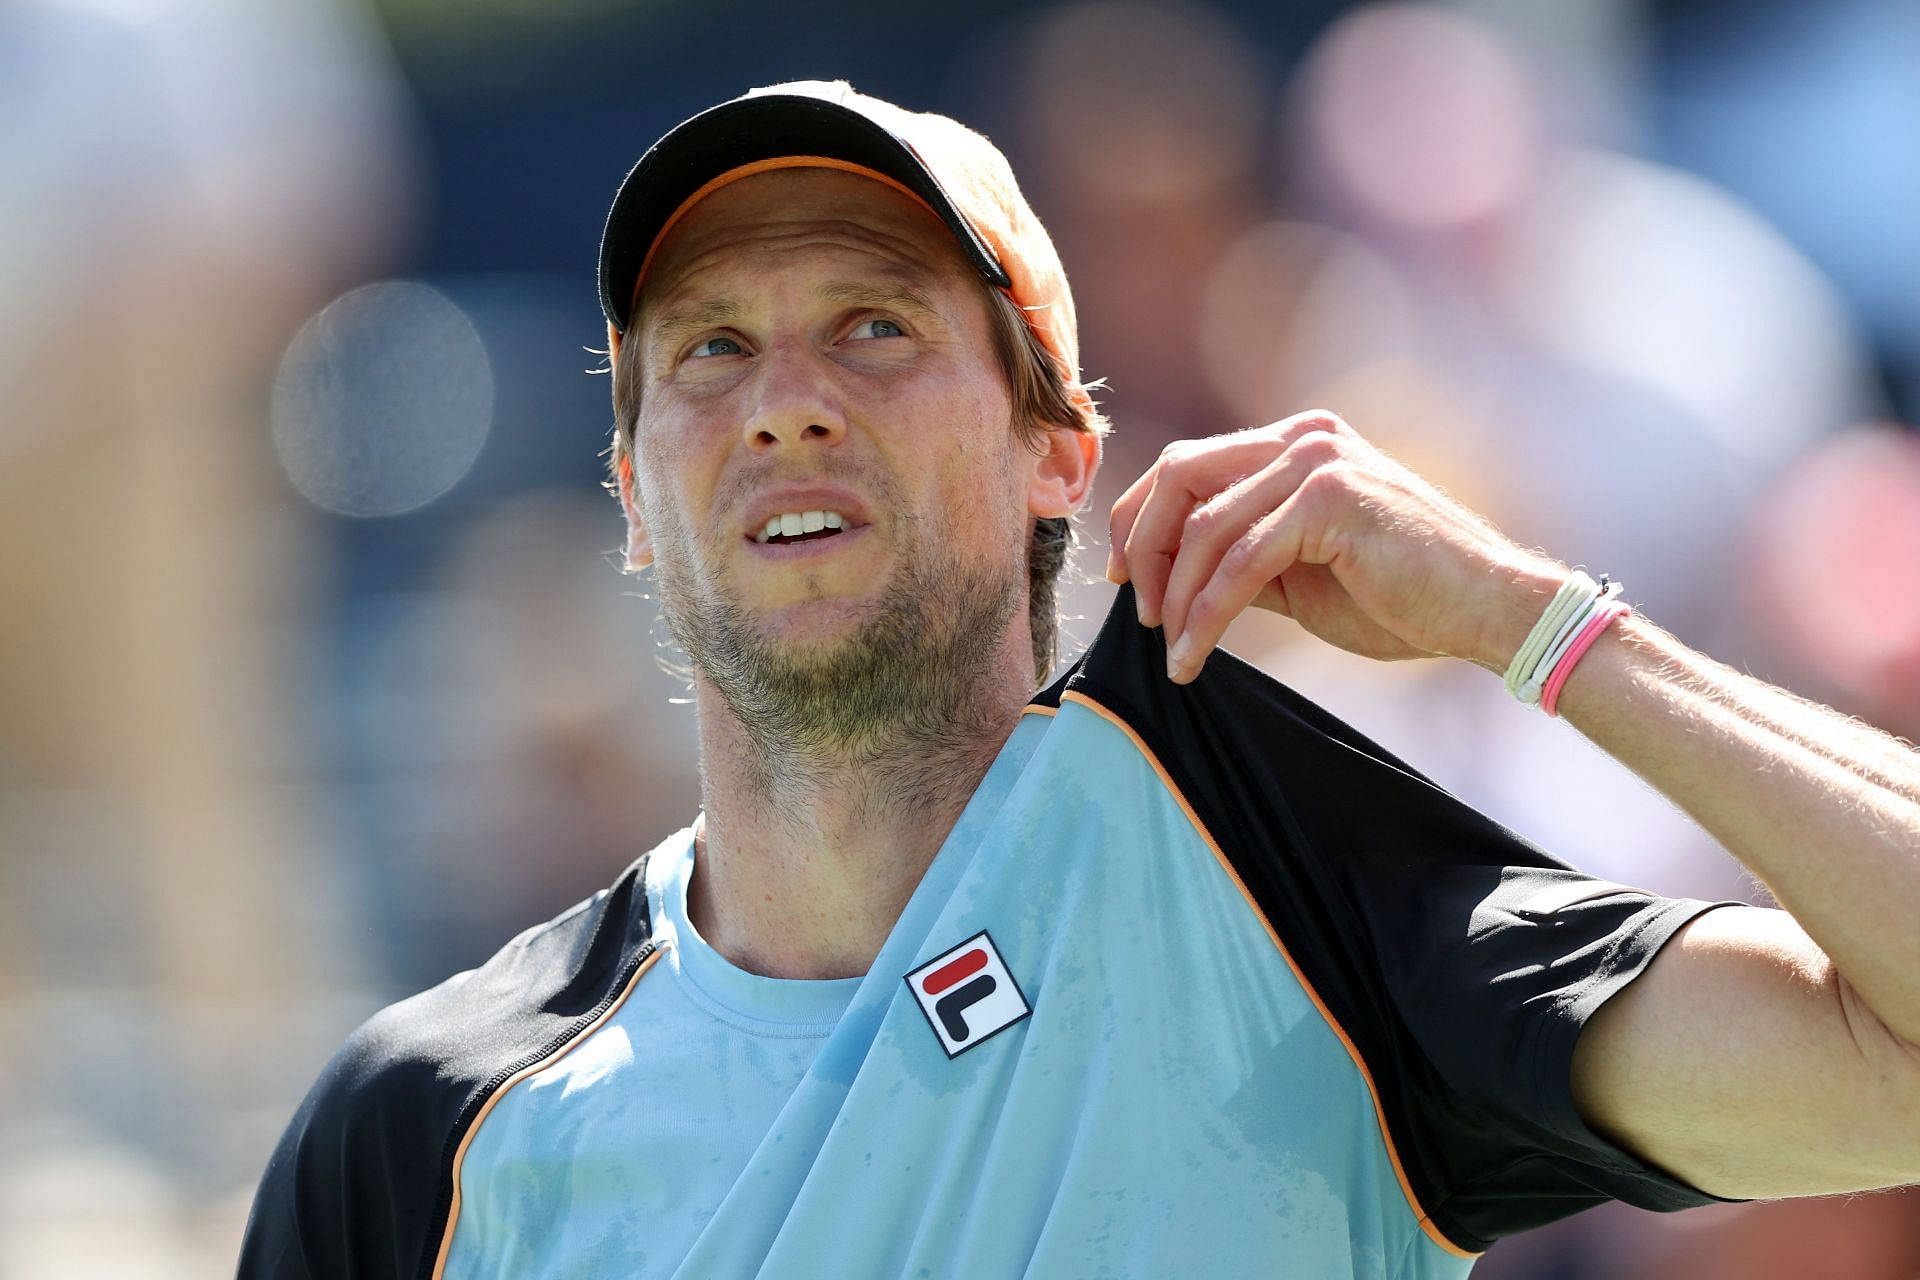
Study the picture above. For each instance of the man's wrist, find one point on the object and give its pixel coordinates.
(1521, 593)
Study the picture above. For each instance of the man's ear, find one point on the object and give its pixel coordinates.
(1063, 479)
(639, 544)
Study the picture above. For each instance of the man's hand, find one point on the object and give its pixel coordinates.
(1305, 518)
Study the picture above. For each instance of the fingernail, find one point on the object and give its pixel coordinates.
(1177, 657)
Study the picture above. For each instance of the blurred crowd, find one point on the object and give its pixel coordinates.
(317, 677)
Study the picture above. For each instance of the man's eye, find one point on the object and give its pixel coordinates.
(727, 347)
(883, 329)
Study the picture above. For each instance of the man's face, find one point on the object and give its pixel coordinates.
(803, 327)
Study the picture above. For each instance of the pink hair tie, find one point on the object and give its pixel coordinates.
(1550, 696)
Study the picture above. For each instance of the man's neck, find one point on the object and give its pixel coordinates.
(803, 865)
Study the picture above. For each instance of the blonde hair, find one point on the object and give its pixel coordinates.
(1041, 404)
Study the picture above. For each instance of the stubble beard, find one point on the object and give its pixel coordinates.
(912, 685)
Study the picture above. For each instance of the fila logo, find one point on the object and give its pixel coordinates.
(967, 994)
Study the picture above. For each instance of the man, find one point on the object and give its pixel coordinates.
(1158, 971)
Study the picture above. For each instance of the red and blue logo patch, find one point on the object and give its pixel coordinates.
(967, 994)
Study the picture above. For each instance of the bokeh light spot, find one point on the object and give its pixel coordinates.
(1650, 274)
(1292, 305)
(1424, 115)
(382, 400)
(1840, 558)
(1145, 102)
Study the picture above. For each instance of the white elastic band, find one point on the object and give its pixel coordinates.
(1565, 601)
(1536, 681)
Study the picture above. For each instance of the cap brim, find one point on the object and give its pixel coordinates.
(741, 132)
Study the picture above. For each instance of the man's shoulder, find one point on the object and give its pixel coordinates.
(370, 1149)
(554, 967)
(1235, 719)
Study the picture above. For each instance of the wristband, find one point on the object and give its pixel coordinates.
(1550, 697)
(1535, 684)
(1567, 604)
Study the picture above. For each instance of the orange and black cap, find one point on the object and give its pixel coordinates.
(738, 134)
(959, 175)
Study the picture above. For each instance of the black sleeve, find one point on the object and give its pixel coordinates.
(350, 1189)
(361, 1183)
(1460, 959)
(1494, 972)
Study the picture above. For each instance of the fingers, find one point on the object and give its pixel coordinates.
(1188, 472)
(1147, 519)
(1151, 522)
(1229, 559)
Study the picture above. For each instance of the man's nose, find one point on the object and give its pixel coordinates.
(798, 399)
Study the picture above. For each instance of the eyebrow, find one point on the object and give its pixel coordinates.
(684, 318)
(900, 293)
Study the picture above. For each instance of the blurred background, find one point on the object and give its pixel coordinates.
(317, 677)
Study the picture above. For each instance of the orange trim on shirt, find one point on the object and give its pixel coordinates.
(460, 1153)
(1399, 1172)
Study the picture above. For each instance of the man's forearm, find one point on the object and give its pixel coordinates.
(1823, 809)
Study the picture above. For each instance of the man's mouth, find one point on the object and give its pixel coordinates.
(781, 538)
(821, 542)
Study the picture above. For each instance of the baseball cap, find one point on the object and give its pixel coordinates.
(954, 171)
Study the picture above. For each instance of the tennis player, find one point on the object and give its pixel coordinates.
(1156, 969)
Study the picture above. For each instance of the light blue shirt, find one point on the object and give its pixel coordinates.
(1174, 1105)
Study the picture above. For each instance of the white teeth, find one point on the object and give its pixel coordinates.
(790, 523)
